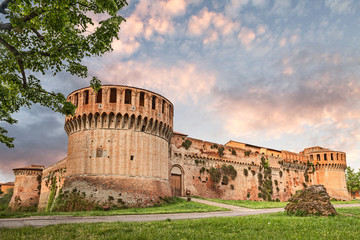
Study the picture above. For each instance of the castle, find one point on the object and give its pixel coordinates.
(122, 149)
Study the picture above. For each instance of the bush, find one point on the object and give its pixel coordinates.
(233, 152)
(232, 187)
(186, 144)
(225, 180)
(253, 172)
(280, 173)
(246, 172)
(221, 151)
(215, 174)
(73, 201)
(5, 199)
(247, 153)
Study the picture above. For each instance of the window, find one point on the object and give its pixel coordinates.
(76, 99)
(86, 97)
(127, 96)
(337, 156)
(131, 157)
(99, 96)
(142, 99)
(153, 103)
(163, 106)
(332, 156)
(318, 157)
(112, 95)
(99, 152)
(325, 157)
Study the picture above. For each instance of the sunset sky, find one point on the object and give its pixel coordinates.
(275, 73)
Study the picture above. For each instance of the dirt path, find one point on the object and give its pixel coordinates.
(40, 221)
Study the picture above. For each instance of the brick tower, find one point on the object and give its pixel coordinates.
(118, 146)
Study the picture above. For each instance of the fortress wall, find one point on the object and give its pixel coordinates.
(201, 155)
(119, 135)
(27, 187)
(57, 170)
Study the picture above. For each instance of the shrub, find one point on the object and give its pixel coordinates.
(248, 195)
(247, 153)
(233, 152)
(202, 170)
(186, 144)
(214, 146)
(225, 180)
(304, 184)
(232, 187)
(306, 176)
(276, 182)
(229, 170)
(253, 172)
(5, 199)
(280, 173)
(246, 172)
(221, 151)
(215, 174)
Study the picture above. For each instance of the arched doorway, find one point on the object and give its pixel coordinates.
(176, 180)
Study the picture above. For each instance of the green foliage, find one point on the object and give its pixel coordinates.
(202, 170)
(214, 146)
(246, 173)
(47, 37)
(52, 194)
(280, 173)
(221, 151)
(306, 176)
(304, 185)
(248, 195)
(253, 172)
(265, 181)
(225, 180)
(233, 152)
(186, 144)
(5, 199)
(232, 187)
(229, 170)
(276, 182)
(247, 153)
(215, 174)
(352, 179)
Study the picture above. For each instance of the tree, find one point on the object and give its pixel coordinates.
(352, 179)
(46, 37)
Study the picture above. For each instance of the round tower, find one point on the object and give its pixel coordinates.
(329, 170)
(118, 149)
(26, 188)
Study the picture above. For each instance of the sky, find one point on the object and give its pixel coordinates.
(282, 74)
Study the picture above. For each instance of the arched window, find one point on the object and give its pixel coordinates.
(99, 96)
(127, 96)
(318, 157)
(112, 95)
(325, 157)
(86, 97)
(153, 103)
(142, 99)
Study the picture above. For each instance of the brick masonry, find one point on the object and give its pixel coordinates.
(122, 145)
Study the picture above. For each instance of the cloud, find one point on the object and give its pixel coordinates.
(183, 82)
(340, 6)
(246, 36)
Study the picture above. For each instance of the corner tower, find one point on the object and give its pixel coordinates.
(118, 147)
(328, 170)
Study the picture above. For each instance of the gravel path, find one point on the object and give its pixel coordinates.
(40, 221)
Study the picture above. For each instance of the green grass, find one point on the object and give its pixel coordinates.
(263, 204)
(178, 206)
(267, 226)
(248, 203)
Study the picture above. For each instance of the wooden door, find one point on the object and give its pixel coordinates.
(176, 184)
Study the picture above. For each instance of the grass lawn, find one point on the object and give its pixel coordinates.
(260, 204)
(267, 226)
(178, 206)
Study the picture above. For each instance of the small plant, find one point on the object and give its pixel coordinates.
(277, 189)
(221, 151)
(111, 198)
(196, 161)
(304, 184)
(276, 182)
(288, 170)
(214, 146)
(233, 152)
(215, 174)
(248, 195)
(247, 153)
(186, 144)
(225, 180)
(202, 170)
(306, 176)
(280, 173)
(232, 187)
(246, 173)
(253, 172)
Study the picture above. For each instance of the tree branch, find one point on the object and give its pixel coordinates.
(9, 26)
(19, 60)
(41, 37)
(4, 5)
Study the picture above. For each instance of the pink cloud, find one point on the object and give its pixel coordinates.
(246, 36)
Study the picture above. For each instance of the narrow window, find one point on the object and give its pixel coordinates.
(112, 95)
(76, 99)
(142, 99)
(332, 156)
(99, 96)
(86, 97)
(170, 111)
(127, 96)
(337, 156)
(153, 103)
(318, 157)
(131, 157)
(163, 106)
(325, 157)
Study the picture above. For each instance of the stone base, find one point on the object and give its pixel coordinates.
(127, 191)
